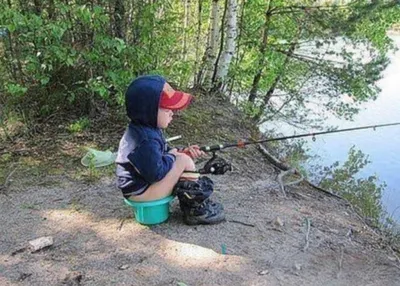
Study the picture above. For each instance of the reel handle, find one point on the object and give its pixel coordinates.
(211, 148)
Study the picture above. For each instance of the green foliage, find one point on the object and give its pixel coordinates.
(339, 50)
(93, 172)
(56, 55)
(79, 126)
(73, 58)
(364, 193)
(16, 90)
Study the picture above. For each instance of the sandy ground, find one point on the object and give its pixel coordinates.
(266, 239)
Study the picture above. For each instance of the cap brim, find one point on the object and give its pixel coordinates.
(184, 101)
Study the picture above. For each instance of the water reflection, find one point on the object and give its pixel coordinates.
(381, 145)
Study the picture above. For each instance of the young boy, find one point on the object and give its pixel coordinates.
(147, 169)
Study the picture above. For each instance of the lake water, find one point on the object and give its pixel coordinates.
(382, 145)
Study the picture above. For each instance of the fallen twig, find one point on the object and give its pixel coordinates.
(274, 161)
(20, 250)
(340, 262)
(240, 222)
(9, 177)
(308, 224)
(284, 173)
(325, 191)
(396, 256)
(282, 187)
(4, 186)
(121, 223)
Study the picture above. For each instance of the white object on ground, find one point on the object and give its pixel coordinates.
(173, 138)
(40, 243)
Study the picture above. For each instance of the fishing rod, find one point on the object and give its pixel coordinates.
(313, 134)
(219, 166)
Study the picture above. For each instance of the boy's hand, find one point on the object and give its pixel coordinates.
(174, 151)
(193, 151)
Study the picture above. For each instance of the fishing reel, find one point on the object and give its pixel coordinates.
(216, 166)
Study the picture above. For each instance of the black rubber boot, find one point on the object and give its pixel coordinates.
(205, 213)
(195, 204)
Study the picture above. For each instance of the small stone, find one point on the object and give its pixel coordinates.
(123, 267)
(278, 222)
(297, 266)
(263, 272)
(391, 258)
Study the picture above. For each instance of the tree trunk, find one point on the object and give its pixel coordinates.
(196, 80)
(230, 42)
(119, 19)
(185, 25)
(10, 59)
(16, 57)
(221, 46)
(209, 55)
(38, 8)
(261, 61)
(72, 30)
(136, 25)
(129, 18)
(51, 9)
(239, 57)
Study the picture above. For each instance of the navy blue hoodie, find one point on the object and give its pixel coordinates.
(143, 157)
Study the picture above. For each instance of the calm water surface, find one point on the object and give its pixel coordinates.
(382, 145)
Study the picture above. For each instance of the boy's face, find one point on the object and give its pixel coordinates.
(164, 117)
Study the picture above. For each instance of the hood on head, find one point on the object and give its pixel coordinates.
(142, 99)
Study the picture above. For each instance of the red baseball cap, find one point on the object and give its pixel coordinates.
(173, 99)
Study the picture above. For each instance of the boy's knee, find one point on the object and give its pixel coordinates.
(191, 165)
(187, 161)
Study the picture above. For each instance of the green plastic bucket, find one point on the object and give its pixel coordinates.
(152, 212)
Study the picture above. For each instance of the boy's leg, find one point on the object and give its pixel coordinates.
(195, 203)
(163, 188)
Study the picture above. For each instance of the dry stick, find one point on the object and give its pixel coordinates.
(4, 186)
(284, 173)
(307, 234)
(326, 192)
(340, 262)
(240, 222)
(285, 169)
(395, 255)
(121, 223)
(282, 187)
(274, 161)
(9, 177)
(280, 181)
